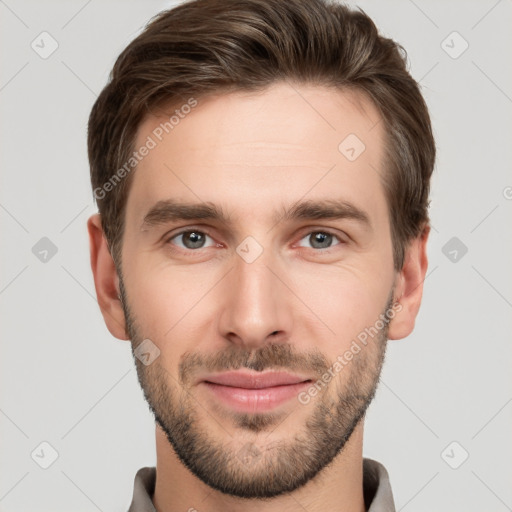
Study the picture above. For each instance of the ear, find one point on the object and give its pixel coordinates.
(106, 279)
(409, 287)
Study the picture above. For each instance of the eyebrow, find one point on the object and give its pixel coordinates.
(170, 210)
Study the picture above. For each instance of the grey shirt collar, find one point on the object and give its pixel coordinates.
(377, 489)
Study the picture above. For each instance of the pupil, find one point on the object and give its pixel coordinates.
(194, 238)
(322, 238)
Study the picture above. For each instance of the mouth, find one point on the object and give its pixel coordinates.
(254, 392)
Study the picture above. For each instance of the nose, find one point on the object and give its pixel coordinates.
(256, 306)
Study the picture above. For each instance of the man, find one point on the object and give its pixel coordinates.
(262, 174)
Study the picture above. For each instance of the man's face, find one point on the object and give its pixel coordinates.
(259, 293)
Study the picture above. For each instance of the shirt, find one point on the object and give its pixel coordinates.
(376, 489)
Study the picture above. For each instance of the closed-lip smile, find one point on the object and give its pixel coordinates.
(248, 391)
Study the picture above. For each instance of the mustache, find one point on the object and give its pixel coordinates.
(271, 356)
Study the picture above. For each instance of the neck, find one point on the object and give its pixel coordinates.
(338, 487)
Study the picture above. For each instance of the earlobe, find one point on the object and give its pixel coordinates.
(409, 287)
(106, 279)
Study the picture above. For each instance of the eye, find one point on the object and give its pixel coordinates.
(320, 239)
(191, 239)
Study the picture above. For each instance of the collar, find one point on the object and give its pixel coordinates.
(378, 496)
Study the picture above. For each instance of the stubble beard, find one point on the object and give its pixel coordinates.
(257, 463)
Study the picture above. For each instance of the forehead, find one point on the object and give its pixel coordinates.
(248, 150)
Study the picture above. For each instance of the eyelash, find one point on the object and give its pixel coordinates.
(203, 232)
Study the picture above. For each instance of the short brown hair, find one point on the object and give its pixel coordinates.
(202, 47)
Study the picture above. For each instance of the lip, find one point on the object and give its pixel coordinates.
(254, 391)
(254, 380)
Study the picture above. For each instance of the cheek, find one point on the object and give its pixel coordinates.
(178, 306)
(160, 299)
(171, 306)
(346, 300)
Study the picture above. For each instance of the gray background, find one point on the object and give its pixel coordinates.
(67, 382)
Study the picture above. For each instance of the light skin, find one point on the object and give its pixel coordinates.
(255, 156)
